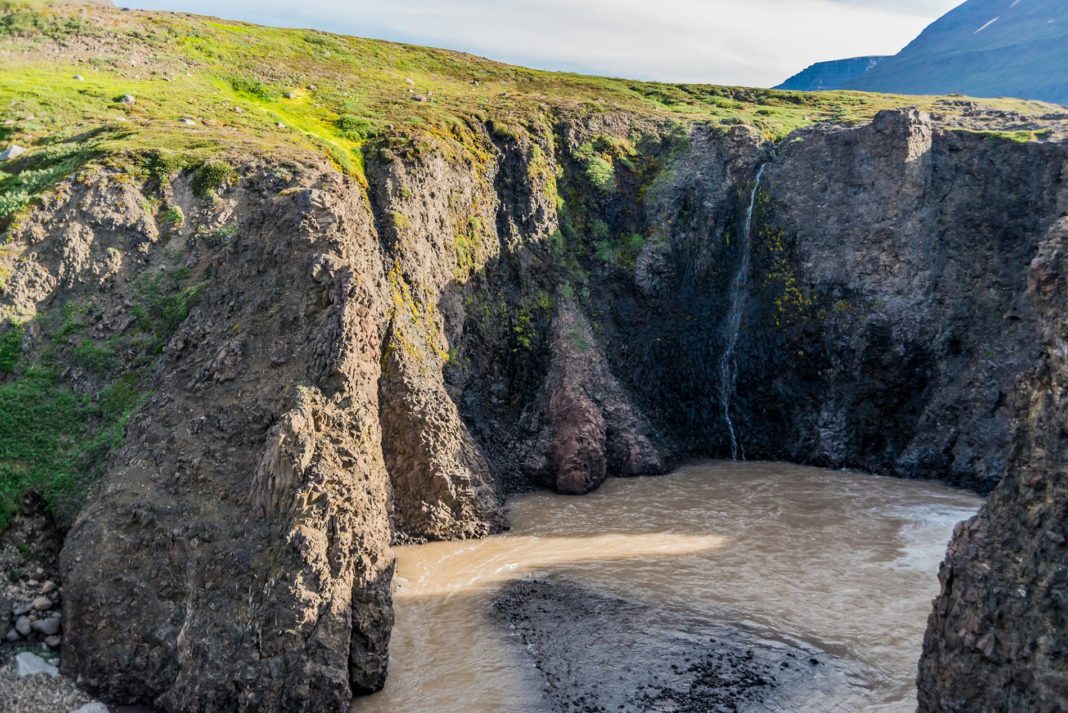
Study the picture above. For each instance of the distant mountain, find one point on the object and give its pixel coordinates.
(983, 48)
(830, 75)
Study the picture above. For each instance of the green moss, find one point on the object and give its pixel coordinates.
(11, 348)
(622, 252)
(97, 358)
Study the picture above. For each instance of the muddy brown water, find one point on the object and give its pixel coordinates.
(841, 562)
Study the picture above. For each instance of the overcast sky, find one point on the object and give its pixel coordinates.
(748, 42)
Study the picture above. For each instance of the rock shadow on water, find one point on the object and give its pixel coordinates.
(599, 653)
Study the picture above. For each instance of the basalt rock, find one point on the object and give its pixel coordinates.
(361, 365)
(998, 636)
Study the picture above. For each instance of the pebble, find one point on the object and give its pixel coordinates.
(48, 627)
(128, 99)
(42, 603)
(53, 642)
(281, 125)
(189, 122)
(27, 664)
(20, 609)
(79, 78)
(48, 587)
(23, 625)
(12, 636)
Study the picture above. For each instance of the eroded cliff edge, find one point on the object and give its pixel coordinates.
(998, 635)
(502, 307)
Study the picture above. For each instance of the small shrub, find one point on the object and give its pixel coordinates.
(355, 128)
(211, 177)
(94, 357)
(601, 173)
(253, 88)
(218, 237)
(172, 218)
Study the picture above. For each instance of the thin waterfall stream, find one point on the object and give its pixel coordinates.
(738, 298)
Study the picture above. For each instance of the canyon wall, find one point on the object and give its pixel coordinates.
(998, 636)
(504, 308)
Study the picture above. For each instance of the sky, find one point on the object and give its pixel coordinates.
(743, 42)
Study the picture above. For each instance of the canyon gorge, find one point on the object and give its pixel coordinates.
(329, 363)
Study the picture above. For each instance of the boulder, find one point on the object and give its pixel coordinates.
(27, 664)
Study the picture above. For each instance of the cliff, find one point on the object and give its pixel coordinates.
(336, 314)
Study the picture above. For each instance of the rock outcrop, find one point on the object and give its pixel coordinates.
(500, 309)
(998, 636)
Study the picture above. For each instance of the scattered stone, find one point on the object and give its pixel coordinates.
(12, 636)
(411, 82)
(291, 95)
(27, 664)
(420, 98)
(189, 122)
(128, 99)
(281, 125)
(79, 78)
(48, 587)
(47, 627)
(12, 151)
(42, 603)
(23, 608)
(23, 625)
(53, 642)
(312, 88)
(239, 110)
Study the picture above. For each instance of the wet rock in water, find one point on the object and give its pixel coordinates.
(602, 653)
(27, 664)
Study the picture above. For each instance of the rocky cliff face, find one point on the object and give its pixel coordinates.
(503, 308)
(998, 635)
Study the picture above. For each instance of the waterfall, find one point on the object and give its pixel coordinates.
(739, 296)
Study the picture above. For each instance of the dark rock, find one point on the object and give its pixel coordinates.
(47, 627)
(998, 636)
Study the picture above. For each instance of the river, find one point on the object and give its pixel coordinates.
(841, 564)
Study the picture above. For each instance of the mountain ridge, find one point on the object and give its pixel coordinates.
(987, 48)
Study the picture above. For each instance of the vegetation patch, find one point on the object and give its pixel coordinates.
(212, 177)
